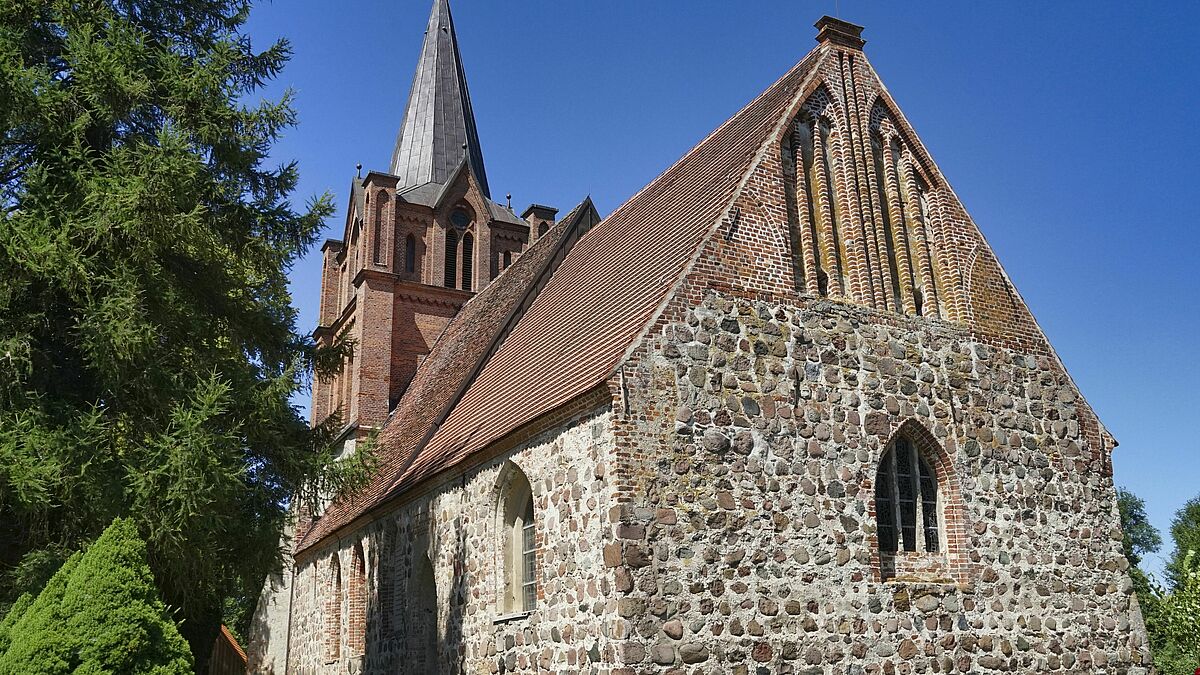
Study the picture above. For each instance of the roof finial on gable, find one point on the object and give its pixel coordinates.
(839, 32)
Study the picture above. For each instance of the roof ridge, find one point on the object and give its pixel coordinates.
(564, 242)
(801, 63)
(796, 100)
(347, 509)
(611, 285)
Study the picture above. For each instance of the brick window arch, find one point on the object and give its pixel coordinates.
(333, 611)
(357, 602)
(906, 500)
(919, 512)
(517, 541)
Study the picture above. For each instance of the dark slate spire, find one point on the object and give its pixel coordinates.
(439, 127)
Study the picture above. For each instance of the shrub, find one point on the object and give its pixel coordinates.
(99, 614)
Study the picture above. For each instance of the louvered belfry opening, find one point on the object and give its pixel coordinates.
(468, 262)
(858, 206)
(450, 266)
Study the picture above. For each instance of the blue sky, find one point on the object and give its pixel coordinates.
(1067, 128)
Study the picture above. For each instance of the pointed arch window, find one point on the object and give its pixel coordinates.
(355, 253)
(377, 239)
(333, 611)
(507, 259)
(468, 261)
(906, 500)
(410, 254)
(387, 578)
(423, 627)
(357, 605)
(519, 543)
(450, 273)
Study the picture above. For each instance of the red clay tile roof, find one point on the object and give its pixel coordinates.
(454, 358)
(609, 288)
(579, 326)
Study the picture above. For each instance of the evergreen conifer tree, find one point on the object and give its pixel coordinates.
(148, 347)
(99, 614)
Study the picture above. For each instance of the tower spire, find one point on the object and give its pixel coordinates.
(438, 130)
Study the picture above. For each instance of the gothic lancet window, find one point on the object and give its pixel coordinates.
(450, 270)
(381, 203)
(519, 543)
(422, 610)
(468, 262)
(388, 543)
(410, 254)
(333, 612)
(357, 605)
(906, 500)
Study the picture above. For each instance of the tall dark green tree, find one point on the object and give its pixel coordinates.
(1185, 532)
(1140, 538)
(148, 345)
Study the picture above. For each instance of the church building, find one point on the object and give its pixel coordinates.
(782, 411)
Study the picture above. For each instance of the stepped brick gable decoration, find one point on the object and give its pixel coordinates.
(780, 412)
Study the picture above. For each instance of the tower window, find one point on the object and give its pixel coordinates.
(507, 259)
(450, 273)
(410, 254)
(377, 239)
(906, 500)
(468, 261)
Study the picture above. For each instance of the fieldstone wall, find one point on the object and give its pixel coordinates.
(446, 619)
(745, 542)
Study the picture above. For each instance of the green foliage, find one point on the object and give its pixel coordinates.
(15, 612)
(99, 614)
(149, 352)
(1140, 537)
(1174, 622)
(1172, 614)
(1185, 533)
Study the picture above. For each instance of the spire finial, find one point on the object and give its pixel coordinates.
(438, 128)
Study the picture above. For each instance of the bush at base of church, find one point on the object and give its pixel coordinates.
(100, 613)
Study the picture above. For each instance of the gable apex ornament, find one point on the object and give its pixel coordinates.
(839, 32)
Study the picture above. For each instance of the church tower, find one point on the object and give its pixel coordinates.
(418, 242)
